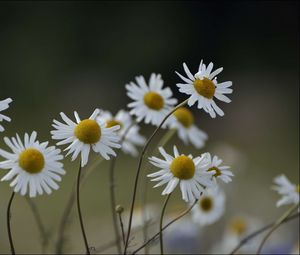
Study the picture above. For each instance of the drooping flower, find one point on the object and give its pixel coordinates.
(190, 173)
(183, 121)
(131, 131)
(34, 167)
(4, 104)
(288, 191)
(151, 102)
(204, 88)
(86, 134)
(210, 207)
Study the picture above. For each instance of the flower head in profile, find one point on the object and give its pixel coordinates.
(131, 131)
(190, 173)
(84, 135)
(151, 102)
(4, 104)
(33, 166)
(204, 88)
(288, 191)
(183, 121)
(220, 172)
(210, 207)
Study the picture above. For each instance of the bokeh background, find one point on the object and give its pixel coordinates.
(66, 56)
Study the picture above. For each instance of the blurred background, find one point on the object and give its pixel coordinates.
(66, 56)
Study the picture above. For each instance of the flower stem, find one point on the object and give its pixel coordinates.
(166, 226)
(139, 169)
(79, 212)
(276, 225)
(261, 230)
(12, 248)
(161, 223)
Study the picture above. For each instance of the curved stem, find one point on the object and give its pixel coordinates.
(37, 217)
(276, 225)
(261, 230)
(160, 225)
(139, 169)
(79, 213)
(12, 248)
(166, 226)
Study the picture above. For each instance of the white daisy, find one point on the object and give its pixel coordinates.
(4, 104)
(203, 87)
(124, 120)
(151, 102)
(220, 172)
(183, 121)
(86, 134)
(210, 207)
(289, 191)
(191, 174)
(33, 165)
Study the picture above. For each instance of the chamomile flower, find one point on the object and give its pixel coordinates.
(86, 134)
(210, 207)
(34, 167)
(204, 88)
(190, 173)
(151, 102)
(124, 120)
(290, 192)
(183, 121)
(4, 104)
(220, 172)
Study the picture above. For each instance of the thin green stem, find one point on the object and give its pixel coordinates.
(12, 248)
(166, 226)
(122, 227)
(79, 212)
(259, 231)
(38, 219)
(163, 141)
(139, 169)
(276, 225)
(161, 223)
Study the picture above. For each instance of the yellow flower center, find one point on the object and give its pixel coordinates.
(298, 188)
(112, 123)
(205, 87)
(206, 204)
(153, 100)
(184, 116)
(31, 160)
(238, 226)
(88, 131)
(218, 171)
(183, 167)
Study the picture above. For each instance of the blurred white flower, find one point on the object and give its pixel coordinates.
(86, 134)
(203, 87)
(183, 121)
(151, 102)
(191, 174)
(33, 166)
(210, 207)
(123, 119)
(4, 104)
(289, 191)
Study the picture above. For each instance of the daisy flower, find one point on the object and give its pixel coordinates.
(124, 120)
(151, 102)
(210, 207)
(189, 173)
(34, 167)
(4, 104)
(289, 191)
(203, 87)
(183, 121)
(86, 134)
(220, 172)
